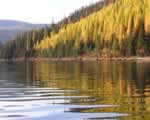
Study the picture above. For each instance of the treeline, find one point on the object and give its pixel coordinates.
(120, 28)
(22, 45)
(84, 12)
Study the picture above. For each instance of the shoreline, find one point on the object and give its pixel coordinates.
(86, 58)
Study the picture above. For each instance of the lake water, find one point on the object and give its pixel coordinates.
(44, 90)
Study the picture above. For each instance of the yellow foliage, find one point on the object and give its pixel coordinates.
(120, 18)
(147, 15)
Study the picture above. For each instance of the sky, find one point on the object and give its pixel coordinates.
(39, 11)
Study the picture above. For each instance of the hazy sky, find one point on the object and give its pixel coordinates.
(39, 11)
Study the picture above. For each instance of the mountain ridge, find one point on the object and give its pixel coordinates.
(10, 28)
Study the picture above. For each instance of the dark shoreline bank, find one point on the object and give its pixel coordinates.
(144, 59)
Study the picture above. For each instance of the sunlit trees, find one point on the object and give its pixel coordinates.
(117, 28)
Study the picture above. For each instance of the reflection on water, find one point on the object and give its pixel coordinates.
(44, 90)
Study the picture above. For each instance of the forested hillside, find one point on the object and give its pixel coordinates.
(18, 47)
(120, 28)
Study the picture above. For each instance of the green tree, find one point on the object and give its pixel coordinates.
(140, 40)
(115, 45)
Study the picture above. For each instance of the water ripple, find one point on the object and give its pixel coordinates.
(47, 103)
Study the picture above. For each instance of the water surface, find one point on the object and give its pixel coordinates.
(45, 90)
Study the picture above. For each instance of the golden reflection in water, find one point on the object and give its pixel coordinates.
(123, 83)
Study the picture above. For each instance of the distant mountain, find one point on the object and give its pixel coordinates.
(10, 28)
